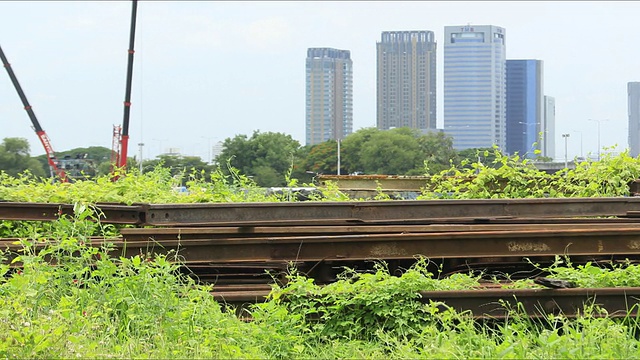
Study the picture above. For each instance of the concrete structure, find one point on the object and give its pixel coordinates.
(475, 86)
(406, 80)
(329, 95)
(525, 107)
(633, 101)
(548, 140)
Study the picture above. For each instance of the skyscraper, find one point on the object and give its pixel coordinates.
(633, 103)
(475, 86)
(525, 107)
(406, 80)
(329, 95)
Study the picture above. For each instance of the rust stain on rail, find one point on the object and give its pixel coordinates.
(519, 246)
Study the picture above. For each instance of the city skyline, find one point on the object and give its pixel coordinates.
(219, 69)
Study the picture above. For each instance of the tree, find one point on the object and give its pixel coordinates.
(399, 151)
(15, 158)
(322, 158)
(179, 164)
(266, 157)
(437, 147)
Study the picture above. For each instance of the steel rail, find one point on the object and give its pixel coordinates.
(529, 243)
(368, 211)
(160, 234)
(496, 303)
(538, 303)
(387, 246)
(107, 213)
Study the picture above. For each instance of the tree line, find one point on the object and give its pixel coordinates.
(271, 158)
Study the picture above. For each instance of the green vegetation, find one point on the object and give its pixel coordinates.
(513, 177)
(95, 304)
(15, 158)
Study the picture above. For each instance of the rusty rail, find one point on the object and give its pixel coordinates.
(495, 303)
(108, 213)
(336, 213)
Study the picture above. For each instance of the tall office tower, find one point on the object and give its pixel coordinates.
(406, 89)
(633, 93)
(549, 125)
(525, 107)
(329, 95)
(475, 86)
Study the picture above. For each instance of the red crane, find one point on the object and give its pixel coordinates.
(121, 135)
(44, 139)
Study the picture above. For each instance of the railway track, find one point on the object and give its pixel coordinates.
(492, 302)
(242, 248)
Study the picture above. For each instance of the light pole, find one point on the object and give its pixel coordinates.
(566, 157)
(598, 120)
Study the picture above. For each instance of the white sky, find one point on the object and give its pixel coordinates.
(205, 70)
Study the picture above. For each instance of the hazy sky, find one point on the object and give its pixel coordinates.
(206, 70)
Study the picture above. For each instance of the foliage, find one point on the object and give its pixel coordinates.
(513, 177)
(361, 304)
(15, 158)
(178, 164)
(507, 177)
(399, 151)
(74, 298)
(264, 156)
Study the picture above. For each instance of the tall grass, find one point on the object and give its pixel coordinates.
(73, 299)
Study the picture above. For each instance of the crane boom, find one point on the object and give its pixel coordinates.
(124, 138)
(42, 135)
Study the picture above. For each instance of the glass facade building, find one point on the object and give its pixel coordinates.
(633, 103)
(329, 95)
(475, 86)
(525, 107)
(406, 80)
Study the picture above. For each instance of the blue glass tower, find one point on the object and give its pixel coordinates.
(525, 107)
(475, 86)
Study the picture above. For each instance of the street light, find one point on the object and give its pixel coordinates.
(598, 134)
(566, 158)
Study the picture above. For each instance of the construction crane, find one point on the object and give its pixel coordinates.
(120, 142)
(42, 135)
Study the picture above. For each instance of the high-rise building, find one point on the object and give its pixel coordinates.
(525, 107)
(329, 95)
(406, 80)
(475, 86)
(549, 125)
(633, 103)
